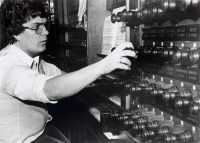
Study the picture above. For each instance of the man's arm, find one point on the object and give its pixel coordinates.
(69, 84)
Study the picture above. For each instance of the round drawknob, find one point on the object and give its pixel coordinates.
(164, 53)
(174, 89)
(144, 12)
(142, 120)
(152, 125)
(196, 100)
(124, 15)
(138, 88)
(115, 18)
(173, 95)
(153, 11)
(154, 53)
(127, 86)
(128, 122)
(148, 134)
(181, 103)
(154, 92)
(132, 16)
(145, 134)
(178, 103)
(161, 91)
(121, 118)
(160, 11)
(186, 93)
(172, 5)
(138, 127)
(185, 53)
(194, 108)
(163, 131)
(165, 5)
(139, 14)
(166, 96)
(124, 115)
(170, 138)
(132, 88)
(176, 55)
(114, 114)
(194, 56)
(185, 137)
(150, 86)
(135, 116)
(143, 83)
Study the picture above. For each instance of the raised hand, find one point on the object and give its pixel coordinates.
(118, 59)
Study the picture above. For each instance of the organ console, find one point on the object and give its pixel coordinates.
(164, 103)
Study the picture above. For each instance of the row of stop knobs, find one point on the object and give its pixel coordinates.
(174, 55)
(173, 10)
(146, 125)
(177, 99)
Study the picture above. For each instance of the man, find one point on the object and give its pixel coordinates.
(27, 83)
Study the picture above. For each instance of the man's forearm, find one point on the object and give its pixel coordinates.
(69, 84)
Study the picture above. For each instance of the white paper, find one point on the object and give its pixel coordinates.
(82, 9)
(113, 33)
(110, 136)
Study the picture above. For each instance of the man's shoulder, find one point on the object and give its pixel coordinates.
(7, 51)
(8, 58)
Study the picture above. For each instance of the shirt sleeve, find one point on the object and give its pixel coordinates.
(26, 84)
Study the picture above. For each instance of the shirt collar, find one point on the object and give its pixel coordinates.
(23, 56)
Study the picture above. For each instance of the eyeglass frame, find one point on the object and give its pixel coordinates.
(46, 25)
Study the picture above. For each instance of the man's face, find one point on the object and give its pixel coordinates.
(30, 42)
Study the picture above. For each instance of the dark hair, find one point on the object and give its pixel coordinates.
(14, 14)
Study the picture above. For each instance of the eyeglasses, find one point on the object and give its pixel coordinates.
(39, 28)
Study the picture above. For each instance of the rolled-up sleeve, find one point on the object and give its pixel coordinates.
(25, 84)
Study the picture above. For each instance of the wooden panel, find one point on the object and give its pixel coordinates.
(112, 4)
(118, 3)
(56, 20)
(66, 12)
(136, 32)
(60, 18)
(73, 5)
(133, 4)
(109, 4)
(96, 16)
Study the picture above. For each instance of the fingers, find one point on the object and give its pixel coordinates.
(126, 61)
(122, 52)
(119, 58)
(123, 46)
(121, 66)
(127, 53)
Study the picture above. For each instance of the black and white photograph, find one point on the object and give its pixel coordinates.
(99, 71)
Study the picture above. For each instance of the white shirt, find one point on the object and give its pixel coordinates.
(22, 117)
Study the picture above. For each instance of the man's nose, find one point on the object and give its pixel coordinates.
(45, 31)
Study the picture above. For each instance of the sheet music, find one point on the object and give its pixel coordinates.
(115, 99)
(113, 33)
(96, 113)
